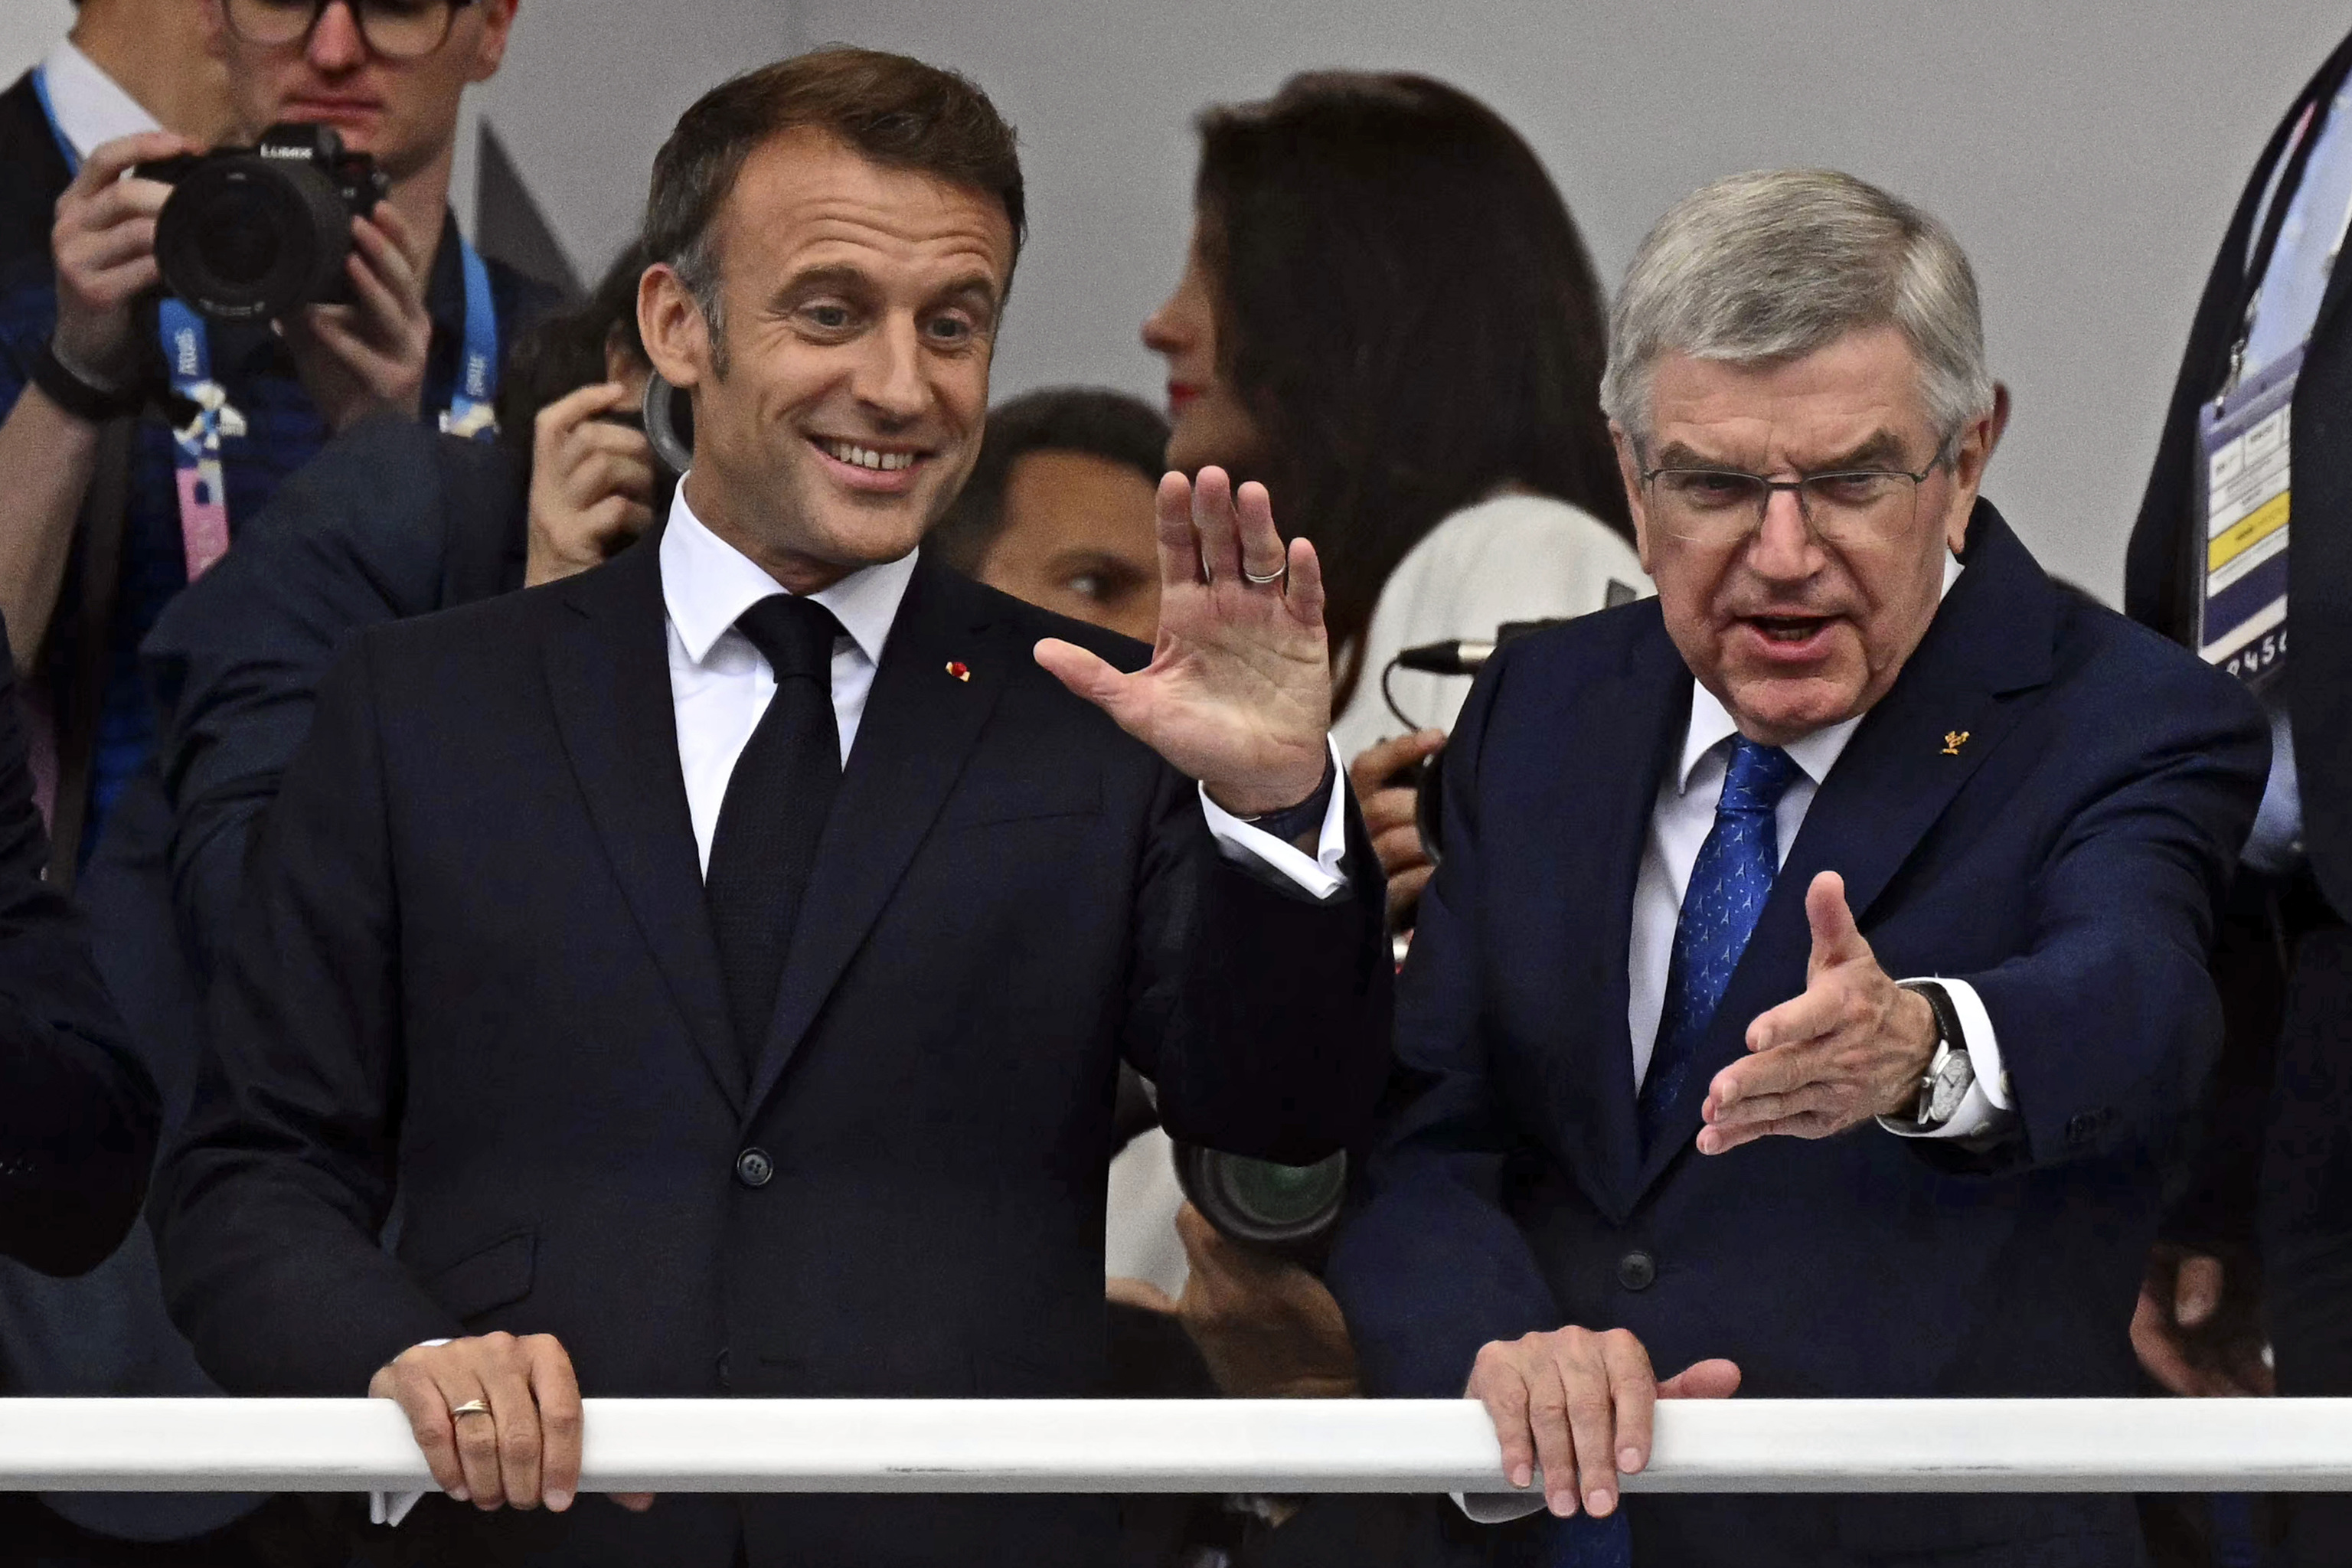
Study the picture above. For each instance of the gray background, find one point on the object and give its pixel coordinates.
(2087, 154)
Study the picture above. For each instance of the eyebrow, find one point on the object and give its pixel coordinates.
(1880, 448)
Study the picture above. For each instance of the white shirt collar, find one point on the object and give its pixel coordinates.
(707, 583)
(90, 106)
(1711, 724)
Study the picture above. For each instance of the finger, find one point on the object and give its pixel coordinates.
(86, 255)
(382, 304)
(1713, 1379)
(1383, 760)
(1633, 1392)
(109, 161)
(1814, 1013)
(596, 436)
(555, 1391)
(2160, 1350)
(132, 201)
(1405, 889)
(1592, 1422)
(1089, 676)
(1263, 553)
(1804, 1124)
(1751, 1107)
(1140, 1294)
(1180, 548)
(578, 406)
(477, 1436)
(2197, 1291)
(1782, 1069)
(1399, 849)
(1214, 526)
(612, 522)
(420, 1401)
(1304, 591)
(1495, 1383)
(1389, 808)
(516, 1412)
(1836, 939)
(387, 219)
(1547, 1422)
(635, 1502)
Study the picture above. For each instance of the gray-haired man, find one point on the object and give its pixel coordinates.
(1814, 981)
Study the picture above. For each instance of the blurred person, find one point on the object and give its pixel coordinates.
(2251, 1254)
(664, 841)
(1388, 314)
(1652, 1008)
(95, 394)
(1058, 510)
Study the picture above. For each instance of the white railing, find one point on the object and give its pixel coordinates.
(1202, 1445)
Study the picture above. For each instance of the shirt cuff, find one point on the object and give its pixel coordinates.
(1321, 876)
(1988, 1110)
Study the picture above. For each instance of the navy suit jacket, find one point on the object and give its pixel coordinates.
(2062, 858)
(474, 968)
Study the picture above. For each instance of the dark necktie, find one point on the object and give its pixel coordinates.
(1729, 882)
(774, 811)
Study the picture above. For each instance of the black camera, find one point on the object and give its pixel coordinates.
(1288, 1210)
(252, 233)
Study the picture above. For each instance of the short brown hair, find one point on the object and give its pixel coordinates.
(896, 111)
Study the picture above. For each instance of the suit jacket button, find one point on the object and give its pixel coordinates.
(753, 1168)
(1637, 1271)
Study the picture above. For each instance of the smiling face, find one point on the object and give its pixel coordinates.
(859, 308)
(1208, 421)
(1789, 632)
(404, 113)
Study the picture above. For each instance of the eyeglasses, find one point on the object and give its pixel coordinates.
(394, 29)
(1723, 506)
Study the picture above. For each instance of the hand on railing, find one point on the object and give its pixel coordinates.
(2198, 1328)
(497, 1417)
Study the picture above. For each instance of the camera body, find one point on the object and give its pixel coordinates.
(253, 233)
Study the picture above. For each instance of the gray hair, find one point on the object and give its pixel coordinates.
(1774, 265)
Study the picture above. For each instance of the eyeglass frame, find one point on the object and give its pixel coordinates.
(1945, 455)
(449, 9)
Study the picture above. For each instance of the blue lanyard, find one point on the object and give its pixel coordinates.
(187, 354)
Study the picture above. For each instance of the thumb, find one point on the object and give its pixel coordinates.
(2196, 1291)
(1090, 676)
(1836, 939)
(1702, 1380)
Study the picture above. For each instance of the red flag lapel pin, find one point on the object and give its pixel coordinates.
(959, 669)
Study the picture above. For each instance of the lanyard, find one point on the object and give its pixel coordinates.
(187, 356)
(2298, 154)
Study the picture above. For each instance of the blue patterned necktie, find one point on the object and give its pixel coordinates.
(1729, 882)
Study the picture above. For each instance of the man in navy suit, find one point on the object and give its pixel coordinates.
(1814, 982)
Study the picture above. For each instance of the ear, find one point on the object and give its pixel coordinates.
(1968, 459)
(677, 339)
(490, 46)
(1629, 470)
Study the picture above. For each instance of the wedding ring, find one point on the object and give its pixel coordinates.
(471, 1407)
(1276, 575)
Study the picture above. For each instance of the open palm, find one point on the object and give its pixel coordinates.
(1238, 693)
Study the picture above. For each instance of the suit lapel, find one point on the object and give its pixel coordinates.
(919, 723)
(1910, 756)
(1583, 910)
(607, 665)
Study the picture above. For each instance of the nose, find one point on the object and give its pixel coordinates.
(336, 43)
(890, 378)
(1163, 334)
(1783, 548)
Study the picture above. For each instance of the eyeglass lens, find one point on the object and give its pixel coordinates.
(1710, 503)
(397, 29)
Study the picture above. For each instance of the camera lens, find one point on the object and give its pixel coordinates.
(1284, 1195)
(1286, 1209)
(236, 240)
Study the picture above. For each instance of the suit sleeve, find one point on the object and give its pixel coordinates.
(1259, 1012)
(270, 1205)
(1428, 1266)
(2108, 1020)
(78, 1111)
(355, 540)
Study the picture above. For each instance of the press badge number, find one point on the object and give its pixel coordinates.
(2241, 596)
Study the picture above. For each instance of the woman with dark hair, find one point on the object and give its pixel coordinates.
(1388, 316)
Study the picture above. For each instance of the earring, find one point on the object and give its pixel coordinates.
(661, 411)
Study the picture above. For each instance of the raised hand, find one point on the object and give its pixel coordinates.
(104, 247)
(592, 483)
(1238, 693)
(1391, 815)
(1852, 1046)
(369, 356)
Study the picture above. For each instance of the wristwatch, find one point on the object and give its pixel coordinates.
(1950, 1074)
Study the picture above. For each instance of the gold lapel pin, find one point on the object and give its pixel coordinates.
(1953, 740)
(962, 671)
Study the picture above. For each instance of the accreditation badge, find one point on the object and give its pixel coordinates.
(2243, 437)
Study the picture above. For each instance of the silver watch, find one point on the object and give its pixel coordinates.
(1950, 1074)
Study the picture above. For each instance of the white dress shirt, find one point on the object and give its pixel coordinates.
(1679, 823)
(721, 684)
(90, 106)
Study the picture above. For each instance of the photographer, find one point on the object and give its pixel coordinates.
(86, 566)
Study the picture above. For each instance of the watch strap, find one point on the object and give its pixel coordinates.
(66, 387)
(1951, 1040)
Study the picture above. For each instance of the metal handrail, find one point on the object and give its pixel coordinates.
(1202, 1445)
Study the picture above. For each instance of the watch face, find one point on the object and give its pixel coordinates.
(1951, 1087)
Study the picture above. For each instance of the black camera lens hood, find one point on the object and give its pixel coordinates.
(248, 237)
